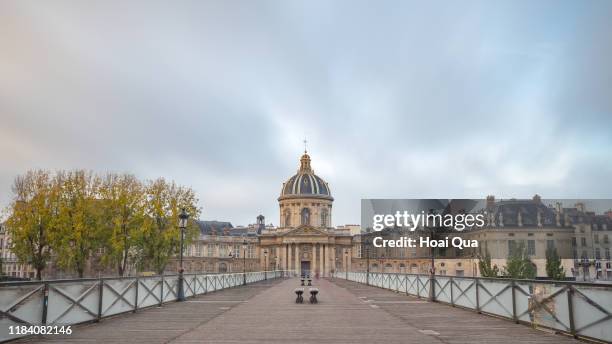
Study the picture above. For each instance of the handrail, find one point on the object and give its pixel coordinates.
(563, 306)
(75, 301)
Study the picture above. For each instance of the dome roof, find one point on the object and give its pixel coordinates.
(305, 183)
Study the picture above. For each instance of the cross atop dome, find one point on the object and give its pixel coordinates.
(305, 147)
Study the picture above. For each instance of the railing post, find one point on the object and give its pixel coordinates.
(136, 294)
(432, 288)
(418, 283)
(570, 308)
(451, 292)
(406, 283)
(514, 302)
(100, 296)
(161, 290)
(45, 303)
(205, 284)
(477, 296)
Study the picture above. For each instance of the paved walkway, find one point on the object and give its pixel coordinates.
(347, 312)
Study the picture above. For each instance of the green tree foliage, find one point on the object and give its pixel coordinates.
(554, 269)
(160, 235)
(123, 216)
(69, 216)
(518, 265)
(78, 220)
(31, 218)
(484, 265)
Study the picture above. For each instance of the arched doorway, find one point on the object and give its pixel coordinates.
(222, 268)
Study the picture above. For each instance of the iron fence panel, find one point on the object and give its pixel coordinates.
(495, 297)
(592, 308)
(464, 292)
(149, 291)
(20, 305)
(73, 302)
(442, 289)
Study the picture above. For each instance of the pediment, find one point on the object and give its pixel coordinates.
(306, 231)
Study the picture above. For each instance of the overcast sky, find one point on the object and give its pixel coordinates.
(397, 99)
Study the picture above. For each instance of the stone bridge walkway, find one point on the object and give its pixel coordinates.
(265, 312)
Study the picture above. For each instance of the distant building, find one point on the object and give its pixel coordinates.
(11, 267)
(306, 242)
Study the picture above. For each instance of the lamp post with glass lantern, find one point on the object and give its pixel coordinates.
(244, 249)
(346, 254)
(183, 216)
(266, 265)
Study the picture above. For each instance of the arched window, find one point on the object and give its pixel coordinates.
(287, 218)
(222, 267)
(324, 218)
(305, 214)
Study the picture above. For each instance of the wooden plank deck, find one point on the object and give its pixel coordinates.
(265, 312)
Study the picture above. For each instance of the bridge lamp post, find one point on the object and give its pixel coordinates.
(266, 265)
(367, 251)
(244, 249)
(347, 258)
(183, 216)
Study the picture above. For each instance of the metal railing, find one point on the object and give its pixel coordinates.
(574, 308)
(75, 301)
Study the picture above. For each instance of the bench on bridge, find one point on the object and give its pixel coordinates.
(313, 294)
(308, 279)
(299, 295)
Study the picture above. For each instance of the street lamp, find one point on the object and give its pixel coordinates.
(266, 265)
(367, 251)
(183, 216)
(244, 249)
(346, 255)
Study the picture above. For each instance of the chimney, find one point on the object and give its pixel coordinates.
(537, 199)
(490, 201)
(520, 219)
(580, 207)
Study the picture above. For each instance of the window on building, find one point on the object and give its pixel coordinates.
(596, 238)
(305, 215)
(574, 241)
(597, 253)
(211, 250)
(511, 247)
(236, 251)
(531, 247)
(324, 218)
(287, 218)
(607, 253)
(550, 244)
(605, 238)
(583, 241)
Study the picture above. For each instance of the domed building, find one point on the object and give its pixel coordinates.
(305, 199)
(305, 241)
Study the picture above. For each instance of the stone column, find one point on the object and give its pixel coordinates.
(350, 259)
(283, 253)
(344, 260)
(313, 263)
(326, 259)
(332, 255)
(289, 261)
(321, 260)
(298, 261)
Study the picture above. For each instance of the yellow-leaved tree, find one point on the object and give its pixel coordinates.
(31, 218)
(123, 216)
(160, 235)
(78, 220)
